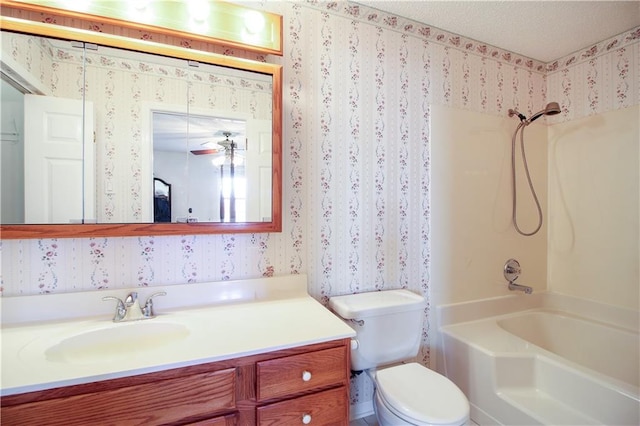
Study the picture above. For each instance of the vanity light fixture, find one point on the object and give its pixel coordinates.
(209, 20)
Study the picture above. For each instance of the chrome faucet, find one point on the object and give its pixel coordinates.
(511, 273)
(130, 309)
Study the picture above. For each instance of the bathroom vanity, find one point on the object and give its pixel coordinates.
(265, 389)
(272, 356)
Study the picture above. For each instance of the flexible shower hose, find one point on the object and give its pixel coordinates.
(514, 214)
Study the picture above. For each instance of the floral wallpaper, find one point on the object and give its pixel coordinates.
(357, 90)
(600, 79)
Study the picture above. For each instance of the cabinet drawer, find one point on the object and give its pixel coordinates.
(322, 408)
(299, 373)
(164, 401)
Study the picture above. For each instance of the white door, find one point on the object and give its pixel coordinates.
(59, 160)
(259, 170)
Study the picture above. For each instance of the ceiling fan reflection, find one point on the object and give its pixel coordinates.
(225, 147)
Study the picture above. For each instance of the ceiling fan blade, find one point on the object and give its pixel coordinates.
(207, 151)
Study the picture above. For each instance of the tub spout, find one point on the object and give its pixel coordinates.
(525, 288)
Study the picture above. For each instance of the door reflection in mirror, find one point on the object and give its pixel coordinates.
(12, 167)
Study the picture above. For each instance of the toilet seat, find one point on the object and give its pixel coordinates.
(421, 396)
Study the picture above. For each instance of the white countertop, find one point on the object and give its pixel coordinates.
(254, 321)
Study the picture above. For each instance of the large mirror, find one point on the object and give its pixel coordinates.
(91, 127)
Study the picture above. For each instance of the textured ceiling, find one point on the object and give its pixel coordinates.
(542, 30)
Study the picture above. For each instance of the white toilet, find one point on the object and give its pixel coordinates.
(388, 327)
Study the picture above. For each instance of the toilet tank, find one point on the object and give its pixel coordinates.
(388, 325)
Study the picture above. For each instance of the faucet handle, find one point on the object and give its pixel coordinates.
(147, 309)
(131, 298)
(117, 299)
(121, 310)
(512, 270)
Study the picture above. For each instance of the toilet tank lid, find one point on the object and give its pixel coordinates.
(374, 303)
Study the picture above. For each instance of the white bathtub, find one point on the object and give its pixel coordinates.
(539, 359)
(607, 349)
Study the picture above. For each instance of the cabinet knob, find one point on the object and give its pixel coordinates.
(306, 419)
(306, 376)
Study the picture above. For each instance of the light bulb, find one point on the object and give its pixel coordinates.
(253, 21)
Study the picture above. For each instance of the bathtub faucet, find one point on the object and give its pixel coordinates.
(525, 288)
(511, 273)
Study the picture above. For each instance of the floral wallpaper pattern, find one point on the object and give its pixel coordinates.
(601, 83)
(357, 90)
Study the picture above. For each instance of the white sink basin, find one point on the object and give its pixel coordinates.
(110, 343)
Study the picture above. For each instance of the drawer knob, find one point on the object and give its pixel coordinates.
(306, 419)
(306, 376)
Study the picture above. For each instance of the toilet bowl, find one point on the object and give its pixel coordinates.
(388, 327)
(411, 394)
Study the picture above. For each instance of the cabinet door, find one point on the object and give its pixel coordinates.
(286, 376)
(322, 408)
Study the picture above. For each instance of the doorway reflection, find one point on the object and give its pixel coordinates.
(204, 159)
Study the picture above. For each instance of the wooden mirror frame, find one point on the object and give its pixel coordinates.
(144, 229)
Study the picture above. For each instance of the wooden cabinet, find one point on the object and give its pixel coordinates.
(304, 385)
(300, 374)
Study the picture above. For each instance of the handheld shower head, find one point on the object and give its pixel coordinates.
(513, 112)
(552, 108)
